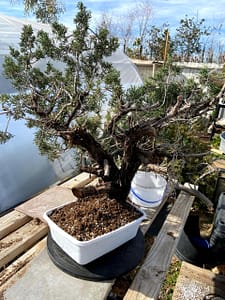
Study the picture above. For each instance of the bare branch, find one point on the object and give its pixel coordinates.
(210, 170)
(76, 108)
(193, 191)
(126, 110)
(172, 112)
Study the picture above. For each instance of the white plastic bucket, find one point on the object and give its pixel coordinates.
(147, 189)
(222, 142)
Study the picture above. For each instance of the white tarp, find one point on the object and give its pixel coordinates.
(23, 171)
(10, 29)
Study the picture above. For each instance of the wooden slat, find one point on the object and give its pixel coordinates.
(20, 240)
(196, 283)
(12, 221)
(216, 151)
(148, 280)
(80, 180)
(21, 262)
(219, 164)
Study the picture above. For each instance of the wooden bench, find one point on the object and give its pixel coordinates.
(151, 275)
(23, 238)
(20, 242)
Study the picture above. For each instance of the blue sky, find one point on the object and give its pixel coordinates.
(170, 11)
(162, 10)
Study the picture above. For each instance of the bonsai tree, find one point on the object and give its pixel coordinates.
(74, 98)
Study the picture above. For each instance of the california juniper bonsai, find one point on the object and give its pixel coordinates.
(64, 81)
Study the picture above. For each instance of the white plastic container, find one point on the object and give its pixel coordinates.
(222, 142)
(147, 189)
(84, 252)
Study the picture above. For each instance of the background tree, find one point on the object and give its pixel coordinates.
(46, 11)
(125, 30)
(65, 105)
(121, 26)
(131, 28)
(156, 41)
(143, 12)
(188, 37)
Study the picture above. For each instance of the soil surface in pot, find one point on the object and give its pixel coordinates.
(90, 217)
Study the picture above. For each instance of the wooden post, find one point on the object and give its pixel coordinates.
(166, 46)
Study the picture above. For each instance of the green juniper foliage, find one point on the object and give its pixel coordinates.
(74, 99)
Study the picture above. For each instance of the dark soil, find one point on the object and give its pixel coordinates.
(90, 217)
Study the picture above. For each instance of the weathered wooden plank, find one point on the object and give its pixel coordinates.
(196, 283)
(219, 163)
(38, 205)
(148, 280)
(216, 151)
(80, 180)
(19, 263)
(54, 196)
(20, 240)
(12, 221)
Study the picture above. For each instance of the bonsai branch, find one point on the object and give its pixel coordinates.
(123, 111)
(193, 191)
(82, 138)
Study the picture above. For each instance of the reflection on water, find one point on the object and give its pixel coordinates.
(23, 171)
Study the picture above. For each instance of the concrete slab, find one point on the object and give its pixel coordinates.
(42, 280)
(49, 199)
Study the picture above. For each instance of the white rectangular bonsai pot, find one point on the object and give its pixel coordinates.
(84, 252)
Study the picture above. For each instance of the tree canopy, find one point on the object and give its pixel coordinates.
(188, 37)
(46, 11)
